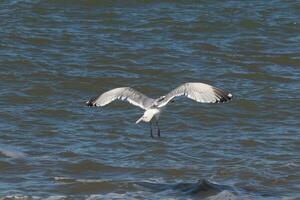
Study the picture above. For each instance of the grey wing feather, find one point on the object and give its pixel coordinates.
(125, 94)
(199, 92)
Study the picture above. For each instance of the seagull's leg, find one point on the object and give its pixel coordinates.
(151, 129)
(158, 130)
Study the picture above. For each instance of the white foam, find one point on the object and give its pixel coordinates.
(106, 196)
(58, 197)
(67, 179)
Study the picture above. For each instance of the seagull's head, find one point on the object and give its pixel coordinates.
(161, 98)
(158, 100)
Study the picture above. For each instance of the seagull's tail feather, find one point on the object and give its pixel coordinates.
(148, 115)
(140, 119)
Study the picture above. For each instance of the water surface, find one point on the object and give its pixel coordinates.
(55, 55)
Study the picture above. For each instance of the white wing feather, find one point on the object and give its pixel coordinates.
(199, 92)
(125, 94)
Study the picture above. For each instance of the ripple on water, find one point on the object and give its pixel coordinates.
(5, 165)
(90, 165)
(55, 55)
(43, 91)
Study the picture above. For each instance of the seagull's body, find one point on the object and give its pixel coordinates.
(199, 92)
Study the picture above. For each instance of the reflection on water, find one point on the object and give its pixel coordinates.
(55, 55)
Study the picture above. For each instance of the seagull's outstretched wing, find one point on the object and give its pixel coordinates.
(200, 92)
(124, 93)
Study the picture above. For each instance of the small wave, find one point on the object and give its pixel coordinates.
(12, 153)
(110, 196)
(227, 195)
(26, 197)
(203, 188)
(64, 179)
(73, 180)
(20, 197)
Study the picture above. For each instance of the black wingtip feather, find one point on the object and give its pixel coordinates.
(222, 95)
(91, 102)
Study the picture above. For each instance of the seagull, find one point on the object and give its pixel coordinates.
(199, 92)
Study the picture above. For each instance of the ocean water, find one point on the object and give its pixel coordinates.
(55, 55)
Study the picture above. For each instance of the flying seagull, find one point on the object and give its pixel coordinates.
(199, 92)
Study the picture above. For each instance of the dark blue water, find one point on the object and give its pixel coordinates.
(55, 55)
